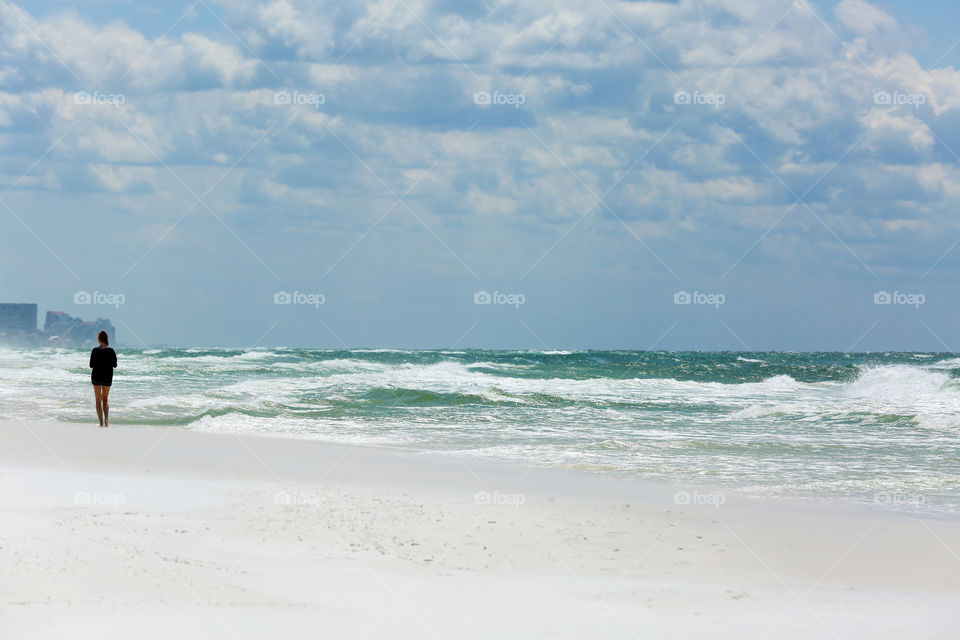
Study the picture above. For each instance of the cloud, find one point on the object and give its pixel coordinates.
(123, 179)
(863, 18)
(66, 49)
(898, 137)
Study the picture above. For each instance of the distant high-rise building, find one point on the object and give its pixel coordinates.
(58, 323)
(66, 329)
(18, 316)
(18, 327)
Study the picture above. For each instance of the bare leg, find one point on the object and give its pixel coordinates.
(97, 395)
(104, 394)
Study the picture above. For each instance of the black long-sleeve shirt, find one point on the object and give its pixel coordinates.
(102, 361)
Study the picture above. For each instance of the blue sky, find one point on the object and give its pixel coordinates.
(720, 174)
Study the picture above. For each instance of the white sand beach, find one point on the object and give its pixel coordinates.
(136, 532)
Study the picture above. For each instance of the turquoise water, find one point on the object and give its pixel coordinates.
(878, 428)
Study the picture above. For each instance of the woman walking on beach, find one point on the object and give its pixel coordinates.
(103, 360)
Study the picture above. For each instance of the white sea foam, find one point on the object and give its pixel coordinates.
(896, 381)
(502, 366)
(403, 351)
(764, 410)
(949, 363)
(348, 364)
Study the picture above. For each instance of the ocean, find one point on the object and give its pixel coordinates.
(877, 428)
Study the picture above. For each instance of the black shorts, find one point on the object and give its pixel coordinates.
(102, 382)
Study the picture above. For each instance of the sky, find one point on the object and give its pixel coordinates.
(697, 174)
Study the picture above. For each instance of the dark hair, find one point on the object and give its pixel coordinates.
(102, 337)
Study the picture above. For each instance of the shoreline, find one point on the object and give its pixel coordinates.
(261, 532)
(563, 474)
